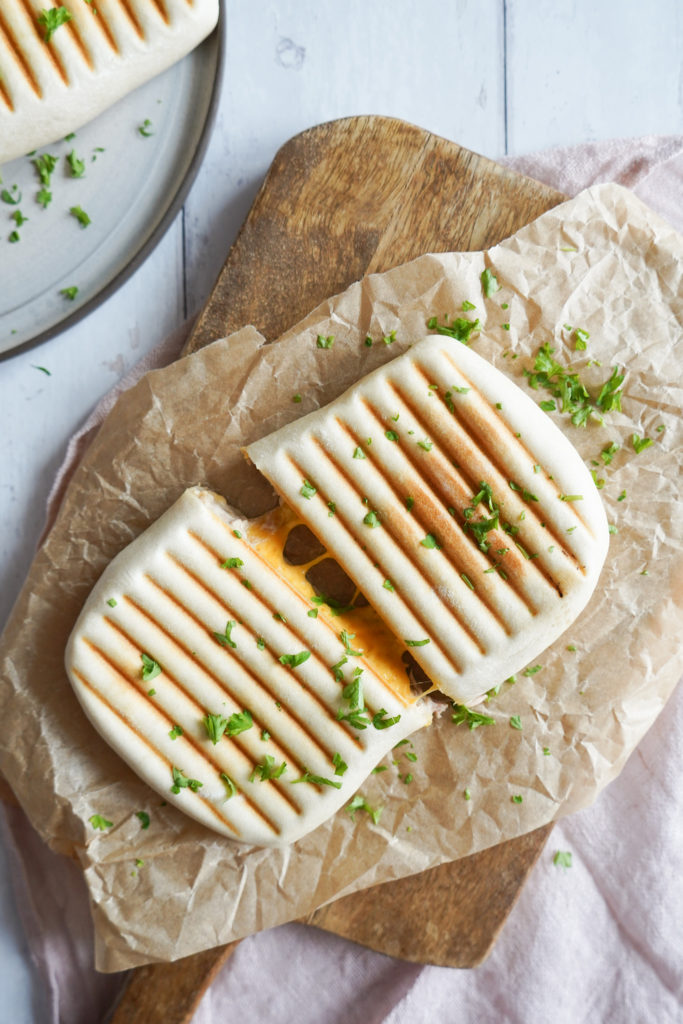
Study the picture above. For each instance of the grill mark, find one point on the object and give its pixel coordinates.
(397, 540)
(245, 668)
(96, 693)
(4, 95)
(98, 696)
(449, 526)
(340, 517)
(102, 24)
(489, 457)
(159, 5)
(285, 750)
(122, 632)
(511, 439)
(300, 599)
(79, 42)
(49, 50)
(19, 56)
(460, 481)
(128, 10)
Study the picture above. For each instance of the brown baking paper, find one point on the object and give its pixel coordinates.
(602, 262)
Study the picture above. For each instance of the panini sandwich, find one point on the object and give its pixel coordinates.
(62, 64)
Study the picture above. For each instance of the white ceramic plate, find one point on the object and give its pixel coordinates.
(132, 189)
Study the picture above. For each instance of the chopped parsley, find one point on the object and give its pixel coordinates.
(621, 496)
(100, 823)
(318, 780)
(430, 541)
(215, 726)
(80, 215)
(260, 643)
(18, 218)
(517, 798)
(14, 236)
(516, 722)
(45, 165)
(388, 585)
(489, 283)
(417, 643)
(462, 714)
(372, 520)
(307, 490)
(346, 639)
(322, 342)
(294, 660)
(265, 735)
(409, 503)
(574, 397)
(232, 563)
(359, 803)
(296, 398)
(52, 19)
(112, 602)
(380, 720)
(230, 787)
(358, 453)
(640, 443)
(76, 165)
(460, 328)
(333, 508)
(608, 453)
(467, 306)
(267, 770)
(465, 578)
(571, 497)
(391, 435)
(144, 819)
(563, 859)
(150, 668)
(69, 293)
(225, 639)
(239, 722)
(340, 765)
(426, 445)
(531, 671)
(181, 781)
(175, 732)
(145, 129)
(467, 795)
(11, 196)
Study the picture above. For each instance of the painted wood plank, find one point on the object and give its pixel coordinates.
(294, 65)
(579, 71)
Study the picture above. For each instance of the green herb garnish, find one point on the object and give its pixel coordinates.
(99, 823)
(294, 660)
(563, 859)
(144, 819)
(307, 490)
(215, 726)
(318, 780)
(640, 443)
(52, 19)
(77, 166)
(225, 639)
(175, 732)
(372, 520)
(267, 770)
(359, 803)
(239, 722)
(150, 668)
(340, 765)
(80, 215)
(69, 293)
(145, 129)
(430, 541)
(489, 283)
(474, 719)
(181, 781)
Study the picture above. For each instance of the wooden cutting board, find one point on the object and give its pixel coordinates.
(341, 200)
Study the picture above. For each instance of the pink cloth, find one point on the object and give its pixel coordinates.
(599, 942)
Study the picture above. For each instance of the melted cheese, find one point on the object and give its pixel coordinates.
(268, 535)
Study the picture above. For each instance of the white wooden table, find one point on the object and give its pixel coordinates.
(497, 76)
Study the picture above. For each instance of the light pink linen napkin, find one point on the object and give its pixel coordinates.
(599, 942)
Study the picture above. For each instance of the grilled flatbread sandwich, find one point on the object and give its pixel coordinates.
(456, 505)
(63, 63)
(225, 686)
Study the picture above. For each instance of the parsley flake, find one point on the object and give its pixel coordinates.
(69, 293)
(175, 732)
(239, 722)
(323, 342)
(52, 19)
(215, 726)
(181, 781)
(640, 443)
(11, 196)
(232, 563)
(416, 643)
(294, 660)
(391, 435)
(563, 859)
(372, 520)
(489, 283)
(359, 803)
(359, 453)
(340, 765)
(517, 798)
(80, 215)
(307, 490)
(388, 585)
(225, 639)
(516, 722)
(150, 668)
(76, 165)
(318, 780)
(473, 719)
(100, 823)
(266, 769)
(144, 819)
(145, 129)
(430, 541)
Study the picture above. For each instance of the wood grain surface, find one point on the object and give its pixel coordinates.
(341, 200)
